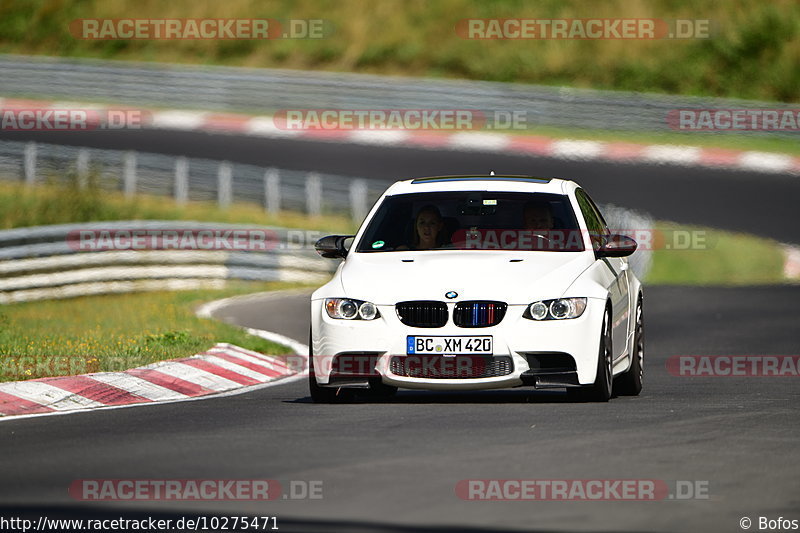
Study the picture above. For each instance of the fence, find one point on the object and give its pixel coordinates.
(186, 179)
(267, 90)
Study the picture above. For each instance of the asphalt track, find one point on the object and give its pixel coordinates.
(393, 466)
(752, 202)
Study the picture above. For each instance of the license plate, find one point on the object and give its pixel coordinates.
(461, 345)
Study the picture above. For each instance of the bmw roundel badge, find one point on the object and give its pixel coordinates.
(451, 294)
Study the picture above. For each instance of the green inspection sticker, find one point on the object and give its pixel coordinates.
(378, 244)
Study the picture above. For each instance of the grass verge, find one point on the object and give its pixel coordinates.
(116, 332)
(749, 52)
(61, 203)
(723, 258)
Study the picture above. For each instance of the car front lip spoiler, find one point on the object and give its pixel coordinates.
(550, 380)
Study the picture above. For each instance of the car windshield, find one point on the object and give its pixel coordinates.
(473, 220)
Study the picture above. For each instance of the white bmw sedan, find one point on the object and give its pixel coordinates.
(479, 282)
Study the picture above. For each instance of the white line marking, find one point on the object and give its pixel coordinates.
(207, 310)
(297, 347)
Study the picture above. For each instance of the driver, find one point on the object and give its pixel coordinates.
(537, 218)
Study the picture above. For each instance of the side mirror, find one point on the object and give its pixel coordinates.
(332, 246)
(617, 246)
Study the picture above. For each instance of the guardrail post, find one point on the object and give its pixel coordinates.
(313, 194)
(272, 190)
(129, 174)
(29, 164)
(224, 184)
(358, 199)
(181, 180)
(82, 168)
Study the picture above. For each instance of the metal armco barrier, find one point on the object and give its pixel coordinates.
(42, 262)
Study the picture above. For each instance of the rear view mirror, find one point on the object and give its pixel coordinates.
(617, 246)
(332, 246)
(477, 206)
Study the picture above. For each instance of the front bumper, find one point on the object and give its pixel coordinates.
(538, 352)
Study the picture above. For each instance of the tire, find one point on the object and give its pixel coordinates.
(319, 394)
(630, 383)
(601, 390)
(378, 389)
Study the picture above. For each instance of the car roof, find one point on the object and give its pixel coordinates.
(471, 182)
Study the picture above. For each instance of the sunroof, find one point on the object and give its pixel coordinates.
(527, 179)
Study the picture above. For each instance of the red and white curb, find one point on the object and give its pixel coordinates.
(532, 145)
(223, 370)
(791, 263)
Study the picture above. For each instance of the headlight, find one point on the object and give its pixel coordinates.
(559, 309)
(538, 311)
(349, 309)
(367, 311)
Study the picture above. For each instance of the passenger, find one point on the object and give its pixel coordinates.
(537, 215)
(537, 218)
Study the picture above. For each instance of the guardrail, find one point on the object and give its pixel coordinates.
(42, 263)
(268, 90)
(186, 179)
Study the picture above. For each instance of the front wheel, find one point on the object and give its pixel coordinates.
(319, 394)
(600, 391)
(630, 383)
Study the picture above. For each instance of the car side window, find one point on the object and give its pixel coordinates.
(598, 231)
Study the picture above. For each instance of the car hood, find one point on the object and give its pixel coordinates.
(386, 278)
